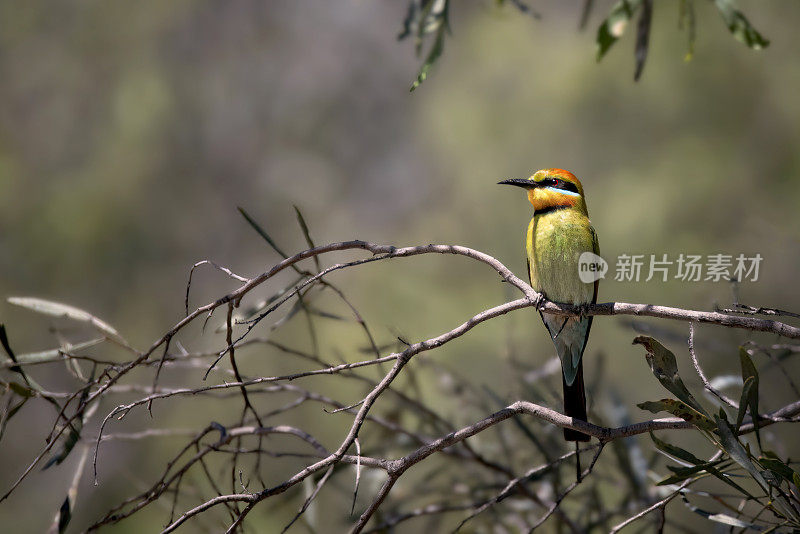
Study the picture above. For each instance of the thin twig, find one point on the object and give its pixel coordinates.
(730, 402)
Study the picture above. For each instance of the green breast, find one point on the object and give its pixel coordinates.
(555, 242)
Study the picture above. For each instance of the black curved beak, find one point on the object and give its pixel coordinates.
(520, 182)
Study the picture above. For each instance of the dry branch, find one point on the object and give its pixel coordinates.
(324, 460)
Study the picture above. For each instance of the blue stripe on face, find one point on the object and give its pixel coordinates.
(562, 191)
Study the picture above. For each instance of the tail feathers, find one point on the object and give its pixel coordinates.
(575, 404)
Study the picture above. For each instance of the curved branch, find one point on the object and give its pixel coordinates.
(238, 497)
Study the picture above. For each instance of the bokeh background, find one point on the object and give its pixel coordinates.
(130, 132)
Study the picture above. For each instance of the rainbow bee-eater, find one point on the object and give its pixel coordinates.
(558, 234)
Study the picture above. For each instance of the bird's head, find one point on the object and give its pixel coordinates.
(552, 188)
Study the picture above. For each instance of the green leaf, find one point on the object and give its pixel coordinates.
(432, 18)
(739, 26)
(433, 55)
(324, 314)
(22, 391)
(29, 381)
(748, 385)
(58, 309)
(10, 353)
(749, 372)
(310, 242)
(725, 519)
(675, 451)
(665, 368)
(778, 467)
(408, 21)
(679, 409)
(643, 38)
(614, 25)
(72, 438)
(261, 232)
(687, 21)
(737, 452)
(257, 227)
(12, 411)
(727, 480)
(64, 515)
(53, 354)
(682, 473)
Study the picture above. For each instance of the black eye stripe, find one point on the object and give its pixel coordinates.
(560, 184)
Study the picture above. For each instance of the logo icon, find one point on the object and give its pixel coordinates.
(591, 267)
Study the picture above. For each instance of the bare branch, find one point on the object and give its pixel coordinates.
(319, 459)
(730, 402)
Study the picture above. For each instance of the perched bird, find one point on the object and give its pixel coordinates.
(558, 234)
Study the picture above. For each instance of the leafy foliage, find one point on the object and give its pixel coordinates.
(430, 18)
(426, 17)
(775, 479)
(739, 26)
(67, 432)
(614, 25)
(665, 368)
(57, 309)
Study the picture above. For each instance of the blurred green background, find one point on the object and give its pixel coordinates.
(130, 132)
